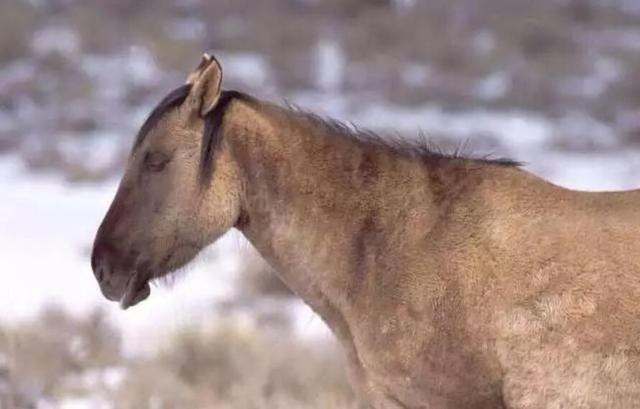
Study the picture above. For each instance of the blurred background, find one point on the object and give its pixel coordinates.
(553, 83)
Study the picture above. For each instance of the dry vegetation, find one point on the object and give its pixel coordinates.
(549, 57)
(57, 358)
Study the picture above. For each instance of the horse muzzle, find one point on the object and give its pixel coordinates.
(116, 281)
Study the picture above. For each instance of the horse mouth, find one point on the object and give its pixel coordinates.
(137, 289)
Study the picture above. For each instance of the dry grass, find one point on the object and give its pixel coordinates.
(41, 356)
(18, 19)
(57, 357)
(538, 47)
(231, 367)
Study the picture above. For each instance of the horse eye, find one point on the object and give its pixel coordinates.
(155, 161)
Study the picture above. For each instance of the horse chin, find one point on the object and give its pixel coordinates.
(137, 290)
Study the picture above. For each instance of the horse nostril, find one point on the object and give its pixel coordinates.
(100, 260)
(99, 273)
(94, 259)
(98, 265)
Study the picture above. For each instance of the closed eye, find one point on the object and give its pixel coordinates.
(155, 161)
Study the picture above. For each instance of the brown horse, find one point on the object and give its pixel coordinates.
(451, 282)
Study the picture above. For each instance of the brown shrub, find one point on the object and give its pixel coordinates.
(248, 369)
(17, 19)
(41, 355)
(215, 365)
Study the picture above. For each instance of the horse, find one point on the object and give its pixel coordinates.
(450, 281)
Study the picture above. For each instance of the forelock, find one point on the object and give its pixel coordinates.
(170, 102)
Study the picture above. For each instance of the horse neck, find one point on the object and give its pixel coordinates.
(317, 205)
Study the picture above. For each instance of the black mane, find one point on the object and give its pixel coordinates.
(419, 148)
(212, 126)
(173, 100)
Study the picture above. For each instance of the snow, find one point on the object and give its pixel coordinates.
(404, 5)
(484, 42)
(591, 171)
(330, 65)
(493, 86)
(517, 130)
(187, 28)
(251, 69)
(577, 125)
(55, 39)
(415, 75)
(82, 403)
(604, 73)
(95, 152)
(117, 73)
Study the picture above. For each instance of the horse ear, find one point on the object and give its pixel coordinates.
(204, 63)
(206, 83)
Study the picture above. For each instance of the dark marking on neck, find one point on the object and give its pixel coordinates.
(365, 244)
(213, 127)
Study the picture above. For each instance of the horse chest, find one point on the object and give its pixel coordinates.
(427, 369)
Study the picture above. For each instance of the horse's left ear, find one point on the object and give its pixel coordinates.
(206, 83)
(204, 63)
